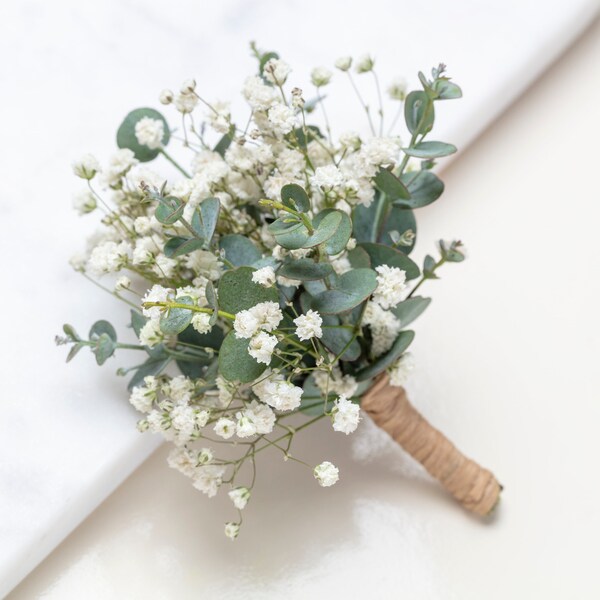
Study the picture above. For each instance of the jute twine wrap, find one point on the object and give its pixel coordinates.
(474, 487)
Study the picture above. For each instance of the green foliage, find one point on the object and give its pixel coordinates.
(385, 255)
(340, 339)
(126, 134)
(235, 364)
(175, 320)
(390, 185)
(419, 113)
(178, 246)
(238, 292)
(293, 196)
(169, 210)
(239, 250)
(430, 150)
(408, 310)
(304, 269)
(351, 289)
(337, 242)
(402, 342)
(104, 336)
(425, 187)
(225, 141)
(153, 366)
(206, 216)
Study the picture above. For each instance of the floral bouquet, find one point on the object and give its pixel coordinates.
(270, 274)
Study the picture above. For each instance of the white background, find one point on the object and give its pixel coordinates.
(506, 354)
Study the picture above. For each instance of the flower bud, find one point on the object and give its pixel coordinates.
(364, 64)
(86, 167)
(166, 97)
(320, 76)
(343, 63)
(188, 86)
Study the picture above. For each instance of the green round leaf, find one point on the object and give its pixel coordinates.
(384, 255)
(178, 246)
(235, 364)
(398, 219)
(390, 185)
(337, 242)
(293, 196)
(105, 347)
(102, 327)
(169, 210)
(238, 292)
(402, 342)
(305, 269)
(126, 134)
(326, 228)
(239, 250)
(205, 218)
(177, 319)
(408, 310)
(340, 338)
(351, 289)
(425, 187)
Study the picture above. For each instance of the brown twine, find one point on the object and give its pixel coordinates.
(473, 486)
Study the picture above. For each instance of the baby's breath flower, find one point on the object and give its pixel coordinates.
(186, 103)
(309, 325)
(188, 86)
(276, 71)
(86, 167)
(397, 89)
(151, 334)
(346, 415)
(201, 322)
(232, 530)
(265, 276)
(343, 63)
(364, 64)
(326, 474)
(122, 283)
(261, 347)
(166, 97)
(239, 496)
(401, 369)
(84, 202)
(149, 132)
(225, 428)
(320, 76)
(391, 283)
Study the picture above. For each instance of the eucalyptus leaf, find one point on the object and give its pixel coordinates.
(402, 342)
(175, 320)
(239, 250)
(400, 219)
(169, 210)
(304, 269)
(126, 137)
(425, 187)
(238, 292)
(104, 349)
(178, 246)
(338, 241)
(352, 288)
(73, 351)
(225, 141)
(153, 366)
(102, 327)
(205, 218)
(137, 321)
(326, 228)
(293, 196)
(446, 90)
(430, 150)
(213, 339)
(235, 364)
(391, 185)
(340, 338)
(385, 255)
(70, 332)
(408, 310)
(419, 113)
